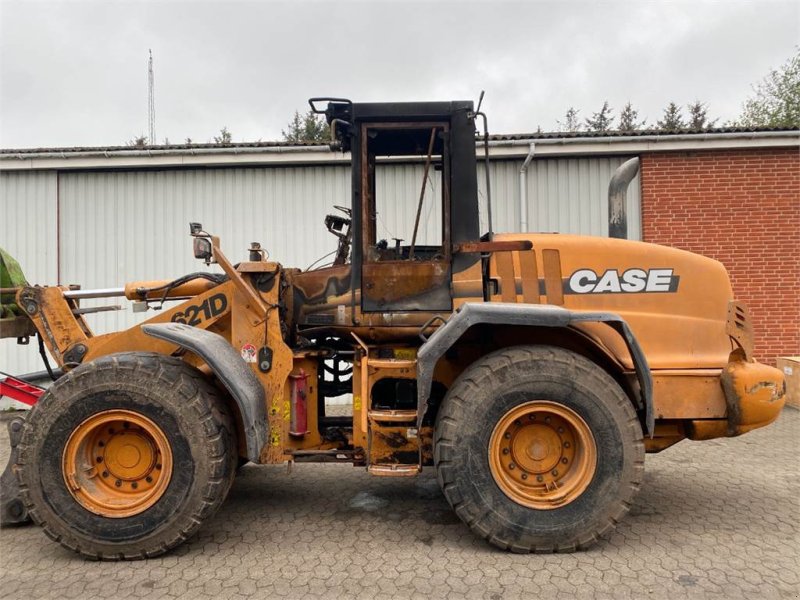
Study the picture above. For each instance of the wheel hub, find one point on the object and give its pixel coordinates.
(535, 448)
(117, 463)
(542, 454)
(129, 456)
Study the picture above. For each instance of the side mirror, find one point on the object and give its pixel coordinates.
(202, 249)
(195, 228)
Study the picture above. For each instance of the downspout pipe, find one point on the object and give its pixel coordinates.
(617, 198)
(523, 189)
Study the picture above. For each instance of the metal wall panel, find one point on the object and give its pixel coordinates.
(126, 226)
(567, 195)
(119, 226)
(28, 233)
(397, 192)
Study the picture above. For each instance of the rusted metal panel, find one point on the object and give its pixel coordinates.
(404, 285)
(506, 246)
(688, 393)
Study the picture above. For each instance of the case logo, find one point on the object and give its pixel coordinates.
(631, 281)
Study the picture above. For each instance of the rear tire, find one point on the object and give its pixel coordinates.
(131, 504)
(495, 411)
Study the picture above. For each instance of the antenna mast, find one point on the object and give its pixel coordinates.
(151, 101)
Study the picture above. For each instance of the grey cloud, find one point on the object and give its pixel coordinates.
(74, 73)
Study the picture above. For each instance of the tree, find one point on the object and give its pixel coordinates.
(570, 122)
(776, 102)
(672, 118)
(601, 120)
(698, 118)
(629, 119)
(139, 141)
(306, 128)
(224, 137)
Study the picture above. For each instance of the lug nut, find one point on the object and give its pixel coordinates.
(105, 473)
(539, 478)
(547, 419)
(99, 459)
(566, 444)
(505, 450)
(134, 485)
(512, 466)
(507, 435)
(101, 443)
(524, 475)
(560, 430)
(148, 479)
(126, 424)
(564, 460)
(517, 422)
(158, 466)
(532, 417)
(554, 473)
(118, 483)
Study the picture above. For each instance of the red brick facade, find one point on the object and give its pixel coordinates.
(741, 207)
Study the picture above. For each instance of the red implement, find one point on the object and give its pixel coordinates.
(20, 391)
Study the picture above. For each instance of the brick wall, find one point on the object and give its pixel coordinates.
(741, 207)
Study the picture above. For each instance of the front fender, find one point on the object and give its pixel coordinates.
(498, 313)
(235, 374)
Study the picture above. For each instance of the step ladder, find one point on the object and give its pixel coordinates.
(390, 432)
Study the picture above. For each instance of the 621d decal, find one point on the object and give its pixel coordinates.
(210, 307)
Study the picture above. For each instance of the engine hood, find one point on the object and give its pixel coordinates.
(676, 302)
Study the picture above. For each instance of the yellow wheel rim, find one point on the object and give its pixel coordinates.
(117, 463)
(542, 455)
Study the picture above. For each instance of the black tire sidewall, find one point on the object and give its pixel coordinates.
(115, 530)
(492, 513)
(569, 520)
(175, 397)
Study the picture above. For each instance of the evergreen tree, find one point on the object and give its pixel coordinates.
(629, 119)
(698, 118)
(139, 141)
(306, 128)
(672, 118)
(224, 137)
(570, 122)
(602, 120)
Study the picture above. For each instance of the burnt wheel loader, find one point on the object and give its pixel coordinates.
(532, 371)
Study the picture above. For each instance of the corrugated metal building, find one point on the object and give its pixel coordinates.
(103, 216)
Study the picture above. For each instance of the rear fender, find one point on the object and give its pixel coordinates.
(472, 314)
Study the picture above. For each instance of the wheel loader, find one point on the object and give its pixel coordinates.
(531, 371)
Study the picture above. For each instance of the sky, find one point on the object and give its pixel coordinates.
(74, 73)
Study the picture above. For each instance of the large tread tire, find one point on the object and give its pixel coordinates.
(497, 383)
(175, 396)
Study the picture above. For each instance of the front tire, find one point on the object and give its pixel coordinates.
(126, 456)
(538, 449)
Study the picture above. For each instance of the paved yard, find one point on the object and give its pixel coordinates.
(716, 519)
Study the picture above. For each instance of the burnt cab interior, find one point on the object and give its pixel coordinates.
(402, 252)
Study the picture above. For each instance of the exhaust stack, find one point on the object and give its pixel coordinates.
(617, 198)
